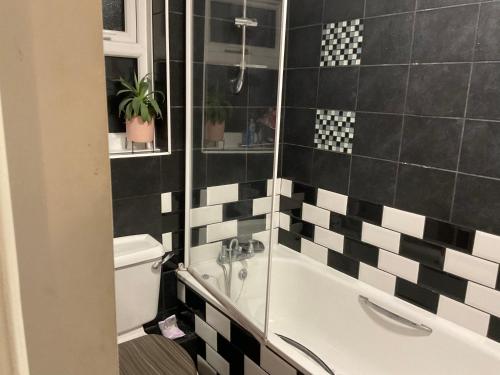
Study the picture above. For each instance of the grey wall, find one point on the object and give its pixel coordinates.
(426, 97)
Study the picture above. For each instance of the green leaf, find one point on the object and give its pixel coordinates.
(145, 113)
(136, 106)
(122, 105)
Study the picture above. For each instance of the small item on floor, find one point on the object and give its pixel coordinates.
(169, 328)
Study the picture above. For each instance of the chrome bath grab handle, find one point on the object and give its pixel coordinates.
(394, 316)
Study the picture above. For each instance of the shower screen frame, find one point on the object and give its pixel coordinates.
(189, 159)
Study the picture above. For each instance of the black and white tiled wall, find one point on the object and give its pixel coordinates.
(226, 348)
(446, 269)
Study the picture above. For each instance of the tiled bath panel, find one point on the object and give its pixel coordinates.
(449, 270)
(226, 348)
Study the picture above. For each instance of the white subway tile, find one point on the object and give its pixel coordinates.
(404, 222)
(221, 231)
(286, 188)
(398, 265)
(487, 246)
(261, 206)
(380, 237)
(332, 201)
(377, 278)
(219, 321)
(222, 194)
(251, 368)
(166, 203)
(273, 364)
(215, 360)
(284, 221)
(315, 215)
(483, 298)
(207, 333)
(204, 368)
(314, 251)
(277, 187)
(471, 268)
(206, 215)
(205, 252)
(263, 237)
(463, 315)
(166, 240)
(329, 239)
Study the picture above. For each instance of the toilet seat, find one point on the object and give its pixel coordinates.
(153, 355)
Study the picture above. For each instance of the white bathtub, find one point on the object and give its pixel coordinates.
(320, 308)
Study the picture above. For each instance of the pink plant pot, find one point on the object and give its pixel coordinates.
(214, 131)
(140, 131)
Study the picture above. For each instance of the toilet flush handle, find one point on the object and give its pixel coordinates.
(164, 260)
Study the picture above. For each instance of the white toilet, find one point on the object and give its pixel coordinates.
(137, 283)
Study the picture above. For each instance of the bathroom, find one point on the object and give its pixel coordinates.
(319, 192)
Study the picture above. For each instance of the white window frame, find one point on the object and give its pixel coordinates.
(138, 23)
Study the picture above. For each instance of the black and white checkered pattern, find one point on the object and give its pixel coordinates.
(341, 43)
(334, 130)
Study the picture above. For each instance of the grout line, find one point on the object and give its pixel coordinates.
(469, 83)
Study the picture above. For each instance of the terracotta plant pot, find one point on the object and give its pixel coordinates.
(214, 131)
(140, 131)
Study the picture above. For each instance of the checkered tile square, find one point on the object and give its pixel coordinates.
(341, 43)
(334, 130)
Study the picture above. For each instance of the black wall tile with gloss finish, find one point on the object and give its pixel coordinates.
(289, 239)
(422, 252)
(302, 228)
(442, 283)
(417, 295)
(304, 193)
(449, 235)
(348, 226)
(252, 190)
(343, 263)
(494, 328)
(366, 211)
(297, 163)
(137, 215)
(361, 251)
(135, 177)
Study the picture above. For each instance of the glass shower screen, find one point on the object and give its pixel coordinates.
(232, 102)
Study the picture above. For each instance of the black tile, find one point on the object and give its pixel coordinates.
(428, 4)
(337, 88)
(372, 180)
(177, 201)
(251, 225)
(442, 283)
(168, 290)
(377, 135)
(289, 239)
(425, 191)
(158, 36)
(421, 251)
(361, 251)
(439, 90)
(387, 40)
(304, 193)
(231, 354)
(477, 203)
(252, 190)
(198, 39)
(199, 173)
(177, 34)
(172, 222)
(382, 88)
(135, 176)
(178, 128)
(299, 126)
(366, 211)
(174, 5)
(494, 328)
(259, 166)
(290, 206)
(305, 12)
(417, 295)
(489, 29)
(304, 45)
(378, 7)
(201, 347)
(433, 142)
(198, 84)
(217, 78)
(347, 226)
(449, 235)
(236, 210)
(445, 34)
(480, 149)
(301, 87)
(177, 83)
(172, 171)
(342, 10)
(244, 341)
(198, 236)
(263, 87)
(137, 215)
(196, 303)
(330, 171)
(297, 163)
(225, 169)
(485, 92)
(302, 228)
(343, 264)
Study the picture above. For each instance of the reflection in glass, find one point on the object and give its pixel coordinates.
(113, 15)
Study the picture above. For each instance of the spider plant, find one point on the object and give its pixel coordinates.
(139, 100)
(217, 108)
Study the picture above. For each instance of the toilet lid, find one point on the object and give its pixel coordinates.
(153, 355)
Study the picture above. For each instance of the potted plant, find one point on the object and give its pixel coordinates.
(217, 112)
(140, 108)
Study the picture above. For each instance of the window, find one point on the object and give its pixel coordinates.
(128, 46)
